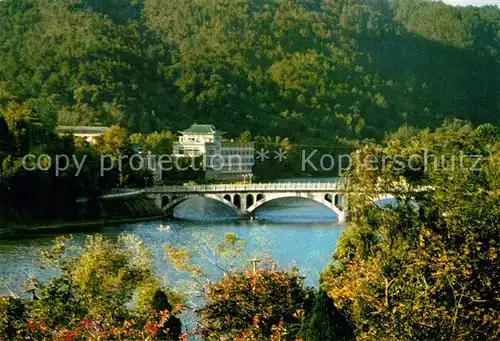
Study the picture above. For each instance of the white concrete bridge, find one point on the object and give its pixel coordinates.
(246, 198)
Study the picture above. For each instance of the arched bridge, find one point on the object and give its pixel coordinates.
(246, 198)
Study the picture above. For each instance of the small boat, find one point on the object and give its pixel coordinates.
(164, 228)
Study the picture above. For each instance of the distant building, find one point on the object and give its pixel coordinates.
(195, 140)
(222, 160)
(90, 134)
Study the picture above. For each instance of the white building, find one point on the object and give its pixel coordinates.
(222, 160)
(90, 134)
(194, 140)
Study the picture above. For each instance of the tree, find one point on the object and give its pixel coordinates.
(12, 316)
(155, 143)
(92, 297)
(113, 142)
(324, 322)
(254, 305)
(173, 324)
(275, 167)
(207, 260)
(5, 137)
(424, 267)
(319, 70)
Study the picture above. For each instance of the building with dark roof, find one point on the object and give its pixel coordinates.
(203, 129)
(222, 160)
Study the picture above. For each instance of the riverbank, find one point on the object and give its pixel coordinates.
(31, 231)
(118, 210)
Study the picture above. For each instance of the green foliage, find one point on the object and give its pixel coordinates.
(173, 324)
(153, 296)
(112, 142)
(470, 27)
(318, 72)
(155, 143)
(12, 316)
(322, 69)
(313, 72)
(324, 322)
(110, 272)
(261, 305)
(93, 297)
(427, 266)
(22, 135)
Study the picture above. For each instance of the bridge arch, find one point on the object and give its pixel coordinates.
(237, 200)
(246, 198)
(335, 199)
(222, 200)
(316, 198)
(250, 200)
(338, 201)
(180, 199)
(165, 201)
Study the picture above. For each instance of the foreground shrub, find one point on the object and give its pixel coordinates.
(325, 322)
(255, 305)
(426, 268)
(12, 316)
(105, 290)
(149, 327)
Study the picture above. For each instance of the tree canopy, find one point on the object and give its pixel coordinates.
(311, 69)
(425, 267)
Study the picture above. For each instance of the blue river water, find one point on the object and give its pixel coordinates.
(292, 231)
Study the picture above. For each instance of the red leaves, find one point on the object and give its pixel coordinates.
(254, 305)
(148, 328)
(256, 320)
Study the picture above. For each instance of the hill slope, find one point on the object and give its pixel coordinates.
(307, 69)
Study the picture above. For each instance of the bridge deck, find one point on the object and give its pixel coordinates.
(266, 187)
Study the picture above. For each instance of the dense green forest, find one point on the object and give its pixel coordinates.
(310, 70)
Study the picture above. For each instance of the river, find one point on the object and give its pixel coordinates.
(291, 231)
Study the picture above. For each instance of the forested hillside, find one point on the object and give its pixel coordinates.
(310, 70)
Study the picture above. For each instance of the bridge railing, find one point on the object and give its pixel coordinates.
(302, 186)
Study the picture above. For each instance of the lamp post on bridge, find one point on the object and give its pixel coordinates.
(249, 176)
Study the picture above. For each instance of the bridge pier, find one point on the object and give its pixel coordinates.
(242, 208)
(342, 217)
(245, 215)
(158, 201)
